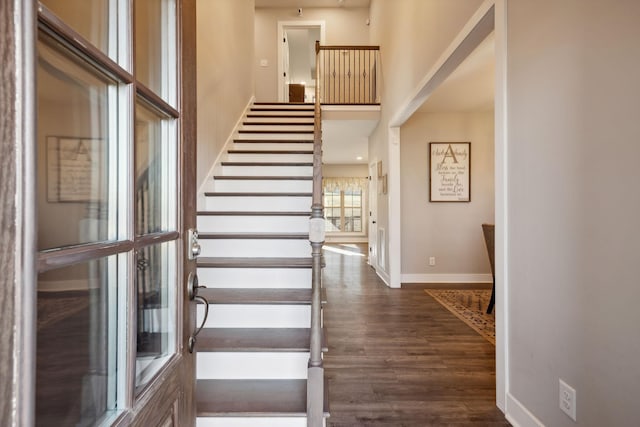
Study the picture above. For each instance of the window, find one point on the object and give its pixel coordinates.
(107, 201)
(343, 211)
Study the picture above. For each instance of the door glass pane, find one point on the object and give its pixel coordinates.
(76, 139)
(89, 18)
(155, 171)
(155, 65)
(156, 309)
(76, 352)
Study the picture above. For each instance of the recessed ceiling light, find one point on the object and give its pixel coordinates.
(359, 158)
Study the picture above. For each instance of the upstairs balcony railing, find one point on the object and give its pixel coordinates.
(348, 75)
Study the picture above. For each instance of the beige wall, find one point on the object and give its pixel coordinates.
(574, 204)
(412, 34)
(343, 26)
(451, 232)
(225, 73)
(345, 170)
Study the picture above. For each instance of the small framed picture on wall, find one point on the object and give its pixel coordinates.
(449, 171)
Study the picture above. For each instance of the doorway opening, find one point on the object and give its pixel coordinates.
(297, 59)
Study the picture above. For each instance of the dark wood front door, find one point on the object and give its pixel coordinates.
(98, 196)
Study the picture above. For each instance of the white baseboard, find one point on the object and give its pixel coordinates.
(208, 179)
(518, 415)
(384, 277)
(446, 278)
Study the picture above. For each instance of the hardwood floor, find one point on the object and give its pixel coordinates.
(397, 357)
(62, 362)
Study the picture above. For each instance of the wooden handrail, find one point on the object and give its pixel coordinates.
(347, 47)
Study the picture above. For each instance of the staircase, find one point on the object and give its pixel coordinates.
(256, 264)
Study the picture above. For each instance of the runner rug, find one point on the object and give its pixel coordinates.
(470, 306)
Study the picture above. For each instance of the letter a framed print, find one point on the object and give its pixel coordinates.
(449, 171)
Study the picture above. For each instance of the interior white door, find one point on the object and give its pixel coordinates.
(372, 215)
(285, 66)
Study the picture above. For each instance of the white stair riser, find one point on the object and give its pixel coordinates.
(259, 248)
(270, 157)
(280, 146)
(260, 278)
(266, 170)
(276, 136)
(256, 316)
(219, 223)
(263, 185)
(303, 127)
(252, 365)
(251, 422)
(259, 203)
(291, 119)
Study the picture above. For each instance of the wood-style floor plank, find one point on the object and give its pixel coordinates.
(398, 358)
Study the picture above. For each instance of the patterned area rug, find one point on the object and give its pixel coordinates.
(470, 306)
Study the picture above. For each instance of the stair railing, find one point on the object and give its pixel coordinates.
(348, 75)
(315, 381)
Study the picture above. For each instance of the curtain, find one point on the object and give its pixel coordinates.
(345, 184)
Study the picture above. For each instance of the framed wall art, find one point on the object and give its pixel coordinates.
(449, 171)
(73, 168)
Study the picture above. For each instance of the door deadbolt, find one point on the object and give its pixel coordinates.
(193, 245)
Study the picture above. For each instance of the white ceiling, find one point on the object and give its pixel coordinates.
(312, 3)
(343, 141)
(470, 87)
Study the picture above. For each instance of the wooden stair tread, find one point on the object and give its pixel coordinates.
(263, 178)
(279, 131)
(271, 296)
(261, 116)
(279, 164)
(270, 151)
(283, 123)
(257, 236)
(267, 398)
(272, 141)
(265, 108)
(258, 194)
(230, 262)
(256, 340)
(285, 103)
(253, 213)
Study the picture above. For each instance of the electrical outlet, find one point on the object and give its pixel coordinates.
(432, 261)
(568, 400)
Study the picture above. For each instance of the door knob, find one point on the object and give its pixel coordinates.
(192, 290)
